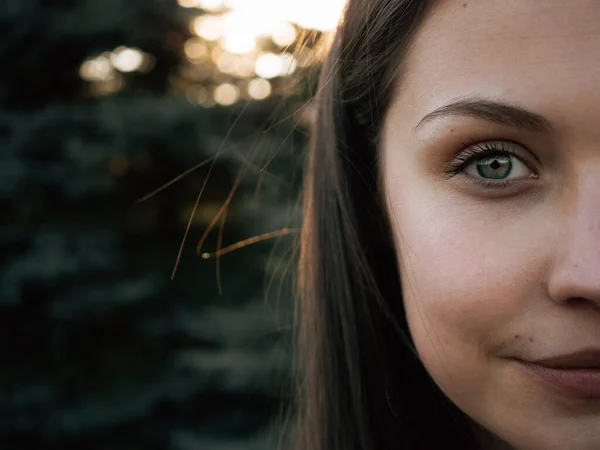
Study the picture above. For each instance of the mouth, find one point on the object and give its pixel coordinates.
(576, 375)
(583, 359)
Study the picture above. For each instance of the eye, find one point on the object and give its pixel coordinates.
(498, 167)
(493, 163)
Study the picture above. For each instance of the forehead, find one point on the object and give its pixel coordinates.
(509, 49)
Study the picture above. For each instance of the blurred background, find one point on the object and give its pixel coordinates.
(137, 138)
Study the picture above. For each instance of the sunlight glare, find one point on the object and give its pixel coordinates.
(210, 5)
(238, 43)
(314, 14)
(187, 3)
(242, 28)
(209, 27)
(284, 34)
(322, 15)
(241, 38)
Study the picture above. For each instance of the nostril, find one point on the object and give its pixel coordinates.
(582, 302)
(578, 301)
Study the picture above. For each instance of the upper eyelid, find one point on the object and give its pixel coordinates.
(528, 154)
(454, 166)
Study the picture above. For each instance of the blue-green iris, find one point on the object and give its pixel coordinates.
(494, 167)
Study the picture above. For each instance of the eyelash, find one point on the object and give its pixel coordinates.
(479, 148)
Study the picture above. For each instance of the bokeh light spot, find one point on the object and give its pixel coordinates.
(284, 34)
(288, 63)
(197, 94)
(259, 89)
(97, 69)
(244, 67)
(127, 59)
(195, 48)
(226, 62)
(226, 94)
(107, 87)
(268, 65)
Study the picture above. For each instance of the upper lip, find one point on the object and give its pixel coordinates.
(581, 359)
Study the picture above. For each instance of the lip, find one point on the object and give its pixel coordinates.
(575, 382)
(589, 359)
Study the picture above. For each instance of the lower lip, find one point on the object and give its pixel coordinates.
(578, 383)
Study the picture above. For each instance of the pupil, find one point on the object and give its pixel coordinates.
(495, 165)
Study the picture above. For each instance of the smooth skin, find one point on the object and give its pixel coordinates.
(509, 269)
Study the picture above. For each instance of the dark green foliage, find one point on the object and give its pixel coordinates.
(100, 349)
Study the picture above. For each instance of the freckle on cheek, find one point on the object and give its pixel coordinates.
(531, 339)
(517, 336)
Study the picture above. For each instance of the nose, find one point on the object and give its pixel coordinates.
(575, 276)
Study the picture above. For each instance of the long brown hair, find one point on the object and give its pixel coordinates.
(360, 382)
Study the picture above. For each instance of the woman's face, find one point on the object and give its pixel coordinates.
(491, 152)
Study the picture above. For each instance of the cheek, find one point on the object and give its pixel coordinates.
(458, 271)
(452, 304)
(469, 271)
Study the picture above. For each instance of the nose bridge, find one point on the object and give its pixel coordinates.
(576, 273)
(584, 204)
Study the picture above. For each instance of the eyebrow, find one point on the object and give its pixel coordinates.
(492, 111)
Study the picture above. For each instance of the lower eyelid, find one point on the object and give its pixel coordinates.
(499, 189)
(489, 183)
